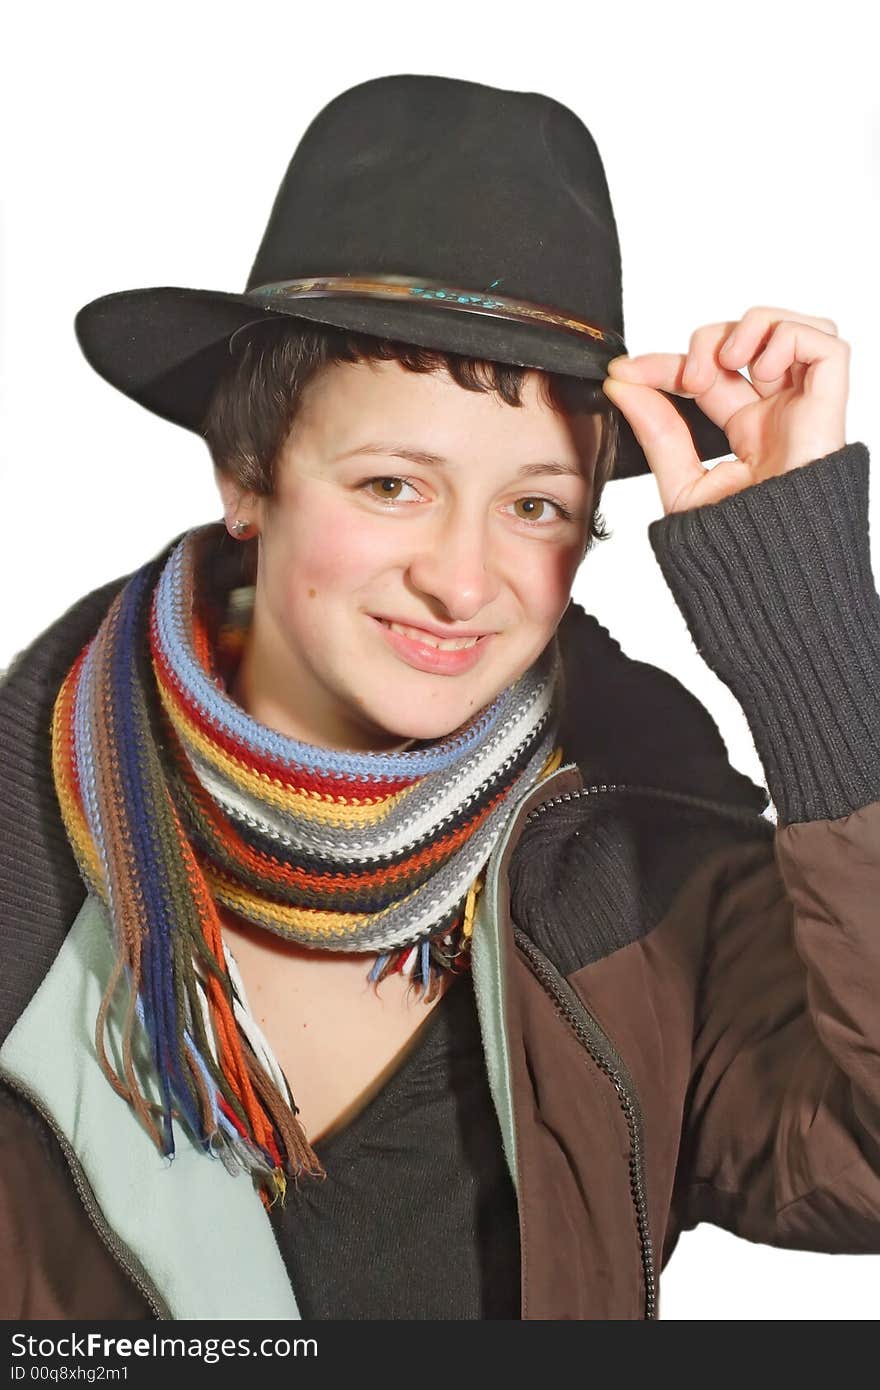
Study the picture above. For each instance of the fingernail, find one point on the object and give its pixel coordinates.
(619, 363)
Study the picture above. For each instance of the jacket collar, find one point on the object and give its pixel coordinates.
(628, 721)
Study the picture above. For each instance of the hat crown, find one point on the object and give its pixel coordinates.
(455, 182)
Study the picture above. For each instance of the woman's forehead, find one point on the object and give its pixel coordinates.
(381, 409)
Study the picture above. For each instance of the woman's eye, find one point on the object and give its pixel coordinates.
(538, 509)
(387, 489)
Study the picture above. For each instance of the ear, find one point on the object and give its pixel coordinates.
(230, 491)
(238, 502)
(240, 507)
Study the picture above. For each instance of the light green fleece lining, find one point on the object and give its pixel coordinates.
(202, 1235)
(490, 985)
(491, 997)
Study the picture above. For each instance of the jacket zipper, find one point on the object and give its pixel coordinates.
(116, 1248)
(598, 1045)
(592, 1036)
(721, 808)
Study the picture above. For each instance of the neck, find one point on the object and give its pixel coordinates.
(257, 688)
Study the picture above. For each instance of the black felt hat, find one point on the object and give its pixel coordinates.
(430, 210)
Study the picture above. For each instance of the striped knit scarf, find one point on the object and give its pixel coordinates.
(177, 804)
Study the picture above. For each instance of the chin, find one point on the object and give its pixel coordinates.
(431, 729)
(391, 729)
(431, 722)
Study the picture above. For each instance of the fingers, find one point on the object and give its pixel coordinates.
(662, 434)
(758, 321)
(720, 393)
(798, 369)
(732, 345)
(776, 351)
(794, 346)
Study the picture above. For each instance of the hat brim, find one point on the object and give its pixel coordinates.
(165, 347)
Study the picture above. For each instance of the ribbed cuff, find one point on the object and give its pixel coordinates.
(776, 587)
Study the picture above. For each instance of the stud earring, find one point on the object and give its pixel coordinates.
(242, 530)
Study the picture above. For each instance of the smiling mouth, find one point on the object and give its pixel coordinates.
(443, 644)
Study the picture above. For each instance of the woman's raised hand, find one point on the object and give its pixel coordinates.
(791, 412)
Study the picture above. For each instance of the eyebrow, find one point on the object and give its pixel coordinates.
(421, 456)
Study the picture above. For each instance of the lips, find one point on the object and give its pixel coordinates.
(430, 651)
(460, 642)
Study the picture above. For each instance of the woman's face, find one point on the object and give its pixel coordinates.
(402, 498)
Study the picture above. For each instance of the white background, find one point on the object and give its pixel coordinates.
(143, 145)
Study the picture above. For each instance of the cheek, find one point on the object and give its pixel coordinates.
(546, 582)
(322, 554)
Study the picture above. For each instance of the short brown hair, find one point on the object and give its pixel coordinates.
(255, 401)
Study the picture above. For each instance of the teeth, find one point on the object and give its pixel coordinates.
(448, 644)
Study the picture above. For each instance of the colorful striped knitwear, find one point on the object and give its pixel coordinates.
(179, 805)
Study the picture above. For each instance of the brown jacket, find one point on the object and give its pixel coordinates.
(678, 999)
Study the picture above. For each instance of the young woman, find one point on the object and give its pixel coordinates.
(354, 868)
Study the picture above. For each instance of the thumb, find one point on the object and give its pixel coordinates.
(662, 434)
(646, 410)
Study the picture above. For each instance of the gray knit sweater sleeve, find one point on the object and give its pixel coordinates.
(776, 587)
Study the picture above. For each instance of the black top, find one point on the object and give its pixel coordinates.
(417, 1216)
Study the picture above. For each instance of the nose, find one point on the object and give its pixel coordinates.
(455, 567)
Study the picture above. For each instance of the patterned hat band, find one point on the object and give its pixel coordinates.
(471, 301)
